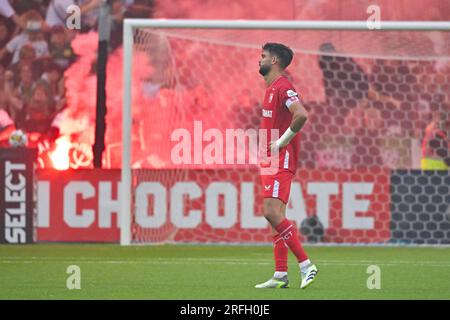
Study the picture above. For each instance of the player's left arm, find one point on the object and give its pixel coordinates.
(299, 118)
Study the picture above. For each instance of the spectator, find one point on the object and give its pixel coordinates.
(54, 77)
(7, 11)
(347, 85)
(37, 114)
(392, 81)
(22, 6)
(2, 88)
(345, 82)
(394, 140)
(27, 56)
(6, 87)
(439, 39)
(6, 127)
(5, 37)
(61, 50)
(430, 92)
(42, 94)
(57, 12)
(436, 142)
(363, 109)
(4, 96)
(366, 127)
(118, 11)
(32, 35)
(4, 33)
(139, 8)
(6, 123)
(22, 91)
(26, 82)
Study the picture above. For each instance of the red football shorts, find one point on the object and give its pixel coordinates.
(277, 185)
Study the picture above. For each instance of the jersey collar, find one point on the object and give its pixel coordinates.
(275, 81)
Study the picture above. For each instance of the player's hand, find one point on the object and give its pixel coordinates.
(274, 146)
(278, 144)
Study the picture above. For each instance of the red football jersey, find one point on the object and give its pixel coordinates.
(276, 115)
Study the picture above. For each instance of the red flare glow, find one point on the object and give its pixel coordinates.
(60, 157)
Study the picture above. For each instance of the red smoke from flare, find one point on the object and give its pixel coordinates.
(81, 89)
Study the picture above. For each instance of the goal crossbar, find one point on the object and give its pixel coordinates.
(287, 24)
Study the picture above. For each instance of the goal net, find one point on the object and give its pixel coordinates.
(372, 96)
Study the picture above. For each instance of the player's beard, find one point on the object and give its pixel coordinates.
(264, 69)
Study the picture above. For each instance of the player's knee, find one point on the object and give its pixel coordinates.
(268, 216)
(270, 212)
(273, 211)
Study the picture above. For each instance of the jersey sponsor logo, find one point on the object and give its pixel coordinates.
(270, 97)
(267, 113)
(291, 93)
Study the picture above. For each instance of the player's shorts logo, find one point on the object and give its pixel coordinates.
(267, 187)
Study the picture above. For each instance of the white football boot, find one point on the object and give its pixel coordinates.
(275, 283)
(308, 276)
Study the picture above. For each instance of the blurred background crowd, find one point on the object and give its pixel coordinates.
(35, 51)
(366, 110)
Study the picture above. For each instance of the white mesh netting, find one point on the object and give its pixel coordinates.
(371, 96)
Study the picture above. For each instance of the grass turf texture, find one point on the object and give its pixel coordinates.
(217, 272)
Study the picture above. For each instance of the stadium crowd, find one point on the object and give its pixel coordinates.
(370, 116)
(379, 113)
(35, 50)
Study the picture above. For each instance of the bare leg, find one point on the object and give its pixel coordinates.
(274, 212)
(283, 212)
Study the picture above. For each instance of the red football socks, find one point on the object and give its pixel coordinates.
(280, 251)
(288, 233)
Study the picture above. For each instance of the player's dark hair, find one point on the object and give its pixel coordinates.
(284, 53)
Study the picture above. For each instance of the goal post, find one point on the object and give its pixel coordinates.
(125, 215)
(129, 42)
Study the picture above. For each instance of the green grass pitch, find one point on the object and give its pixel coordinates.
(217, 272)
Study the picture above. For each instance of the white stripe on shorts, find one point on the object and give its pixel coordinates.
(276, 188)
(286, 161)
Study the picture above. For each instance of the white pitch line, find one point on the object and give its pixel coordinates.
(157, 261)
(99, 259)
